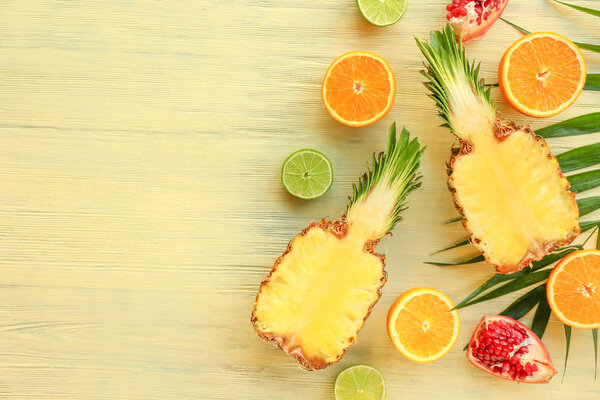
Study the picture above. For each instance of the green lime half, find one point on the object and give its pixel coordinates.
(359, 382)
(382, 12)
(307, 174)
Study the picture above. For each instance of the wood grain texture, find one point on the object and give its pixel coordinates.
(141, 204)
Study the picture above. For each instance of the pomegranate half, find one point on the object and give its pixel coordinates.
(506, 348)
(473, 18)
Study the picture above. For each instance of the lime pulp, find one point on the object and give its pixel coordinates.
(307, 174)
(382, 12)
(359, 382)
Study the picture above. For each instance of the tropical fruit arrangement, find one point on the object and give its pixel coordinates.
(520, 210)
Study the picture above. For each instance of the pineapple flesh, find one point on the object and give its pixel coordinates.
(322, 289)
(507, 186)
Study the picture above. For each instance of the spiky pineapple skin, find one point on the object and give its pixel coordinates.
(340, 229)
(502, 130)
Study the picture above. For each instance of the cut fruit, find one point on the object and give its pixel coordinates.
(382, 12)
(507, 186)
(307, 174)
(471, 19)
(359, 88)
(506, 348)
(322, 289)
(574, 289)
(359, 382)
(542, 74)
(422, 325)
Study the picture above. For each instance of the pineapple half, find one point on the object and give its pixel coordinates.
(507, 186)
(322, 289)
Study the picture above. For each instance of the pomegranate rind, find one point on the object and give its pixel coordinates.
(504, 83)
(537, 355)
(467, 28)
(400, 303)
(559, 268)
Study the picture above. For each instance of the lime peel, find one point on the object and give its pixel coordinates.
(307, 174)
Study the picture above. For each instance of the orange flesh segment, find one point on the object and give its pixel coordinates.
(544, 73)
(576, 289)
(425, 325)
(358, 88)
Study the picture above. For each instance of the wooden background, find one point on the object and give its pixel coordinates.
(141, 206)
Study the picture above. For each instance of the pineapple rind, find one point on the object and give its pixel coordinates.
(504, 129)
(289, 342)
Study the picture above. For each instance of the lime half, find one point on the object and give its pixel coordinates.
(359, 382)
(382, 12)
(307, 174)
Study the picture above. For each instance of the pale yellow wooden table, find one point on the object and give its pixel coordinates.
(141, 206)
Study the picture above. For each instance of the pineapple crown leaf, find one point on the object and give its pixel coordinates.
(447, 66)
(396, 167)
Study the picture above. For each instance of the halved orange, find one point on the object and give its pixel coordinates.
(573, 289)
(542, 74)
(422, 325)
(359, 88)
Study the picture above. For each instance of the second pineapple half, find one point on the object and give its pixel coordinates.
(322, 289)
(508, 187)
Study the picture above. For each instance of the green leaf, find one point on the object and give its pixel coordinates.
(579, 8)
(469, 261)
(568, 339)
(585, 46)
(525, 303)
(580, 157)
(584, 181)
(595, 337)
(588, 205)
(536, 265)
(517, 27)
(542, 315)
(453, 246)
(587, 225)
(451, 220)
(592, 82)
(512, 286)
(588, 123)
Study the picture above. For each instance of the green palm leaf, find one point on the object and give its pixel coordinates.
(542, 316)
(579, 8)
(568, 347)
(595, 337)
(579, 158)
(536, 265)
(592, 82)
(585, 46)
(525, 303)
(584, 181)
(588, 123)
(473, 260)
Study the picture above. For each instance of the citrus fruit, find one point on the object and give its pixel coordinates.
(359, 382)
(422, 325)
(382, 12)
(358, 88)
(542, 74)
(307, 174)
(573, 289)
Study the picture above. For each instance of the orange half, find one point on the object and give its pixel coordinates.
(542, 74)
(574, 289)
(422, 325)
(359, 88)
